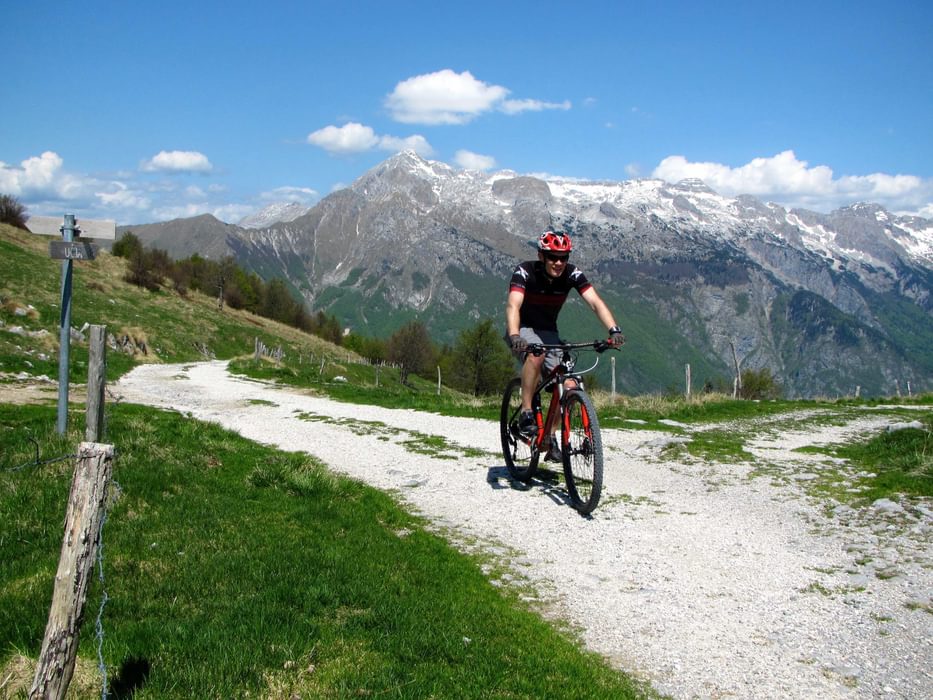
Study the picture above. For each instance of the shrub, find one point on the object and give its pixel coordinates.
(760, 384)
(12, 212)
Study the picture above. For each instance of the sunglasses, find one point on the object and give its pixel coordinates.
(556, 258)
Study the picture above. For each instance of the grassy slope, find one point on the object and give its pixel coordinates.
(173, 328)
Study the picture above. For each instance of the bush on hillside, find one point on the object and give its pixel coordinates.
(410, 347)
(12, 212)
(760, 384)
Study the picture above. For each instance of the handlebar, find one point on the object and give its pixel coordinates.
(596, 345)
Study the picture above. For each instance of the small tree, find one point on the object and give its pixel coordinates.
(12, 212)
(142, 270)
(410, 347)
(481, 363)
(128, 245)
(760, 384)
(373, 349)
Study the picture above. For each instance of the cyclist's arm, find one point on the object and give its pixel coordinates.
(512, 309)
(599, 307)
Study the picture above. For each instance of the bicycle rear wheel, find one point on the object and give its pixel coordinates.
(582, 451)
(521, 458)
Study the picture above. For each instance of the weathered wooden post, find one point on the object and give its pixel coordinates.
(688, 379)
(438, 380)
(96, 383)
(83, 519)
(612, 361)
(737, 384)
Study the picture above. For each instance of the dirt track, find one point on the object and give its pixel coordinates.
(705, 579)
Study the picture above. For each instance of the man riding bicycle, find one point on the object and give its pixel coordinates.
(537, 292)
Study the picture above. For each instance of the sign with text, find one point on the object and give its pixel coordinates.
(74, 250)
(86, 228)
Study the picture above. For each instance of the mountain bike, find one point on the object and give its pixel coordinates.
(571, 410)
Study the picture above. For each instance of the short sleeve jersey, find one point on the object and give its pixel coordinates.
(544, 296)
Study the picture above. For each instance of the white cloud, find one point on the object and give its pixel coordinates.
(122, 197)
(446, 97)
(791, 182)
(443, 97)
(517, 106)
(415, 143)
(177, 162)
(349, 138)
(41, 177)
(357, 138)
(474, 161)
(231, 213)
(301, 195)
(167, 212)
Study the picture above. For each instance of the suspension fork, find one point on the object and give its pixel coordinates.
(565, 417)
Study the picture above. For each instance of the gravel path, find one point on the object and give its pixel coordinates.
(706, 580)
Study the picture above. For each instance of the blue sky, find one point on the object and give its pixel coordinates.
(145, 112)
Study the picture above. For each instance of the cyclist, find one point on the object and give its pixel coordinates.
(537, 292)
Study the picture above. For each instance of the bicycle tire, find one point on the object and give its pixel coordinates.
(582, 448)
(521, 457)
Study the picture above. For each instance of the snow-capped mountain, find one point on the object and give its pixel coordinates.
(278, 212)
(827, 302)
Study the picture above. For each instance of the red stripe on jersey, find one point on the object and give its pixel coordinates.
(546, 299)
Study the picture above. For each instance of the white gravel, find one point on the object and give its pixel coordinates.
(706, 580)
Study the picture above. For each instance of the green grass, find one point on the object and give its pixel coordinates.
(234, 569)
(369, 385)
(173, 328)
(902, 461)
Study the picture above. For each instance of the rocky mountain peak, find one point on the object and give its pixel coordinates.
(277, 212)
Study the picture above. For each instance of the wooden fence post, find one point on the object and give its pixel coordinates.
(612, 361)
(96, 383)
(83, 519)
(737, 384)
(688, 379)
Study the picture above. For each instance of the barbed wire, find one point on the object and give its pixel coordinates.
(99, 622)
(113, 400)
(40, 463)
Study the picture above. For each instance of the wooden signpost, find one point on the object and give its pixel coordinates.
(68, 250)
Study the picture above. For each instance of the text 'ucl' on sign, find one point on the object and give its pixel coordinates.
(72, 250)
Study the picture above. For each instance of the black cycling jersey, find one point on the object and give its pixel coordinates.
(544, 295)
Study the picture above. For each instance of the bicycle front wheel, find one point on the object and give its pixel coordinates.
(582, 449)
(521, 458)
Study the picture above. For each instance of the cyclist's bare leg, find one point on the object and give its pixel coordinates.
(531, 374)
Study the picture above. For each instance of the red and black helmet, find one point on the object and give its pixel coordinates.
(555, 242)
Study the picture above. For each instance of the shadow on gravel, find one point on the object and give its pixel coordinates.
(548, 482)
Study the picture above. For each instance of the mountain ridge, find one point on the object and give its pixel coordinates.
(417, 238)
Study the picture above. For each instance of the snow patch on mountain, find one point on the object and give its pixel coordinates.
(278, 212)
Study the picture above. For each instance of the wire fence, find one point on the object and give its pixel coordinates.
(113, 492)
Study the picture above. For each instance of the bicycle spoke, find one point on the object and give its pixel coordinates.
(583, 454)
(520, 458)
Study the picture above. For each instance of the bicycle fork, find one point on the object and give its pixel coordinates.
(547, 424)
